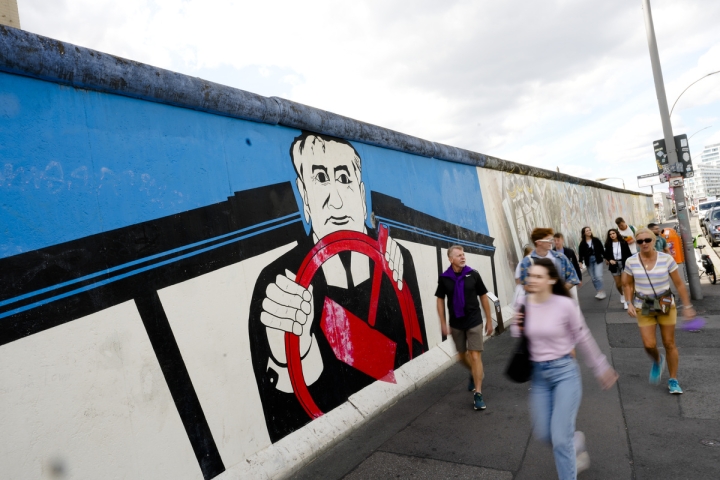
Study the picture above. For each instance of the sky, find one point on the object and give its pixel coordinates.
(555, 84)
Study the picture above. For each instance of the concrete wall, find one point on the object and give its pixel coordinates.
(199, 282)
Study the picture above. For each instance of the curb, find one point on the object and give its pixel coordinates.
(287, 456)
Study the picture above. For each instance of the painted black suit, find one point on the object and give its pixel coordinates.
(283, 413)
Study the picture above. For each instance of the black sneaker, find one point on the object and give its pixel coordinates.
(471, 384)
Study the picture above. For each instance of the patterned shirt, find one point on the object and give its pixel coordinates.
(563, 265)
(659, 275)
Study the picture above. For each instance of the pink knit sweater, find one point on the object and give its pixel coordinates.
(554, 328)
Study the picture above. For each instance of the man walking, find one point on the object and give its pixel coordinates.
(543, 240)
(559, 241)
(660, 242)
(463, 286)
(628, 233)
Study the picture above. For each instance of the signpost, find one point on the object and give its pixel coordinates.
(684, 165)
(650, 179)
(677, 167)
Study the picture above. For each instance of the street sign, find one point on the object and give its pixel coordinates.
(683, 152)
(649, 180)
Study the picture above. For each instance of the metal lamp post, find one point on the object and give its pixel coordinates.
(680, 207)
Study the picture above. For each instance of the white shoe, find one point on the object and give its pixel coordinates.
(582, 462)
(600, 295)
(582, 459)
(625, 306)
(622, 298)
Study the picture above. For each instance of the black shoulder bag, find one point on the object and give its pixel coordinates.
(519, 368)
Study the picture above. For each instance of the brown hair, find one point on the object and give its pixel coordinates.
(540, 233)
(619, 220)
(559, 235)
(558, 287)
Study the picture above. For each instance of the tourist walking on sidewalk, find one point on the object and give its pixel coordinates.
(592, 254)
(646, 280)
(661, 244)
(542, 238)
(463, 286)
(628, 233)
(617, 252)
(553, 326)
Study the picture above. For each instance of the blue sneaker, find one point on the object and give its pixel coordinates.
(656, 371)
(479, 403)
(471, 384)
(674, 386)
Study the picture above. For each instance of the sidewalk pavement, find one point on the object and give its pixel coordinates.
(634, 430)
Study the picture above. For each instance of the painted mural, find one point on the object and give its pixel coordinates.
(180, 290)
(219, 282)
(528, 202)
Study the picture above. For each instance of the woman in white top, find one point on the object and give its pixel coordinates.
(646, 280)
(617, 252)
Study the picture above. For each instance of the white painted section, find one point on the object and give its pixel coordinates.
(425, 260)
(209, 318)
(89, 395)
(296, 450)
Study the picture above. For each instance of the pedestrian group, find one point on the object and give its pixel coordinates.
(549, 319)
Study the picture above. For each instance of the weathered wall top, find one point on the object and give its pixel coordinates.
(28, 54)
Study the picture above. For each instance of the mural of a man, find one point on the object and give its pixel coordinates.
(329, 181)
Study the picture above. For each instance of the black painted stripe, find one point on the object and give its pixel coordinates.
(180, 385)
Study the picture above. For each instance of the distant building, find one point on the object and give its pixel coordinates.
(705, 183)
(711, 153)
(9, 13)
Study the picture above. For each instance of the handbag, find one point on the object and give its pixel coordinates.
(656, 303)
(519, 368)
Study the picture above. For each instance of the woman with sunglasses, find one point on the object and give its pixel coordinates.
(646, 280)
(553, 326)
(617, 251)
(592, 253)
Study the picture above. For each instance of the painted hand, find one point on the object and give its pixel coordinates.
(393, 256)
(287, 305)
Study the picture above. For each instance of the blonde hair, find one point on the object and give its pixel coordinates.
(646, 231)
(454, 247)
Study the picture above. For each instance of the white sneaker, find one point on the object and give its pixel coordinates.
(582, 459)
(600, 295)
(625, 305)
(622, 298)
(582, 462)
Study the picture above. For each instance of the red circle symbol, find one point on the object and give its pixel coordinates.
(326, 248)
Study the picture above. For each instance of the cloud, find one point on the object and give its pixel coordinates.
(547, 83)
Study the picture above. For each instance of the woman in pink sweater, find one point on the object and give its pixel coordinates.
(553, 325)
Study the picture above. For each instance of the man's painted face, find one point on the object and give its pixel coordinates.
(332, 190)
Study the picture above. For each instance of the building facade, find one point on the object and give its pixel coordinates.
(9, 13)
(705, 183)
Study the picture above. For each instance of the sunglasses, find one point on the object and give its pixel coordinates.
(644, 240)
(544, 241)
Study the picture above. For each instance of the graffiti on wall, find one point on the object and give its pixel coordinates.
(530, 202)
(336, 312)
(318, 255)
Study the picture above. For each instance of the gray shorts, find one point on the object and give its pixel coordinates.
(471, 339)
(620, 269)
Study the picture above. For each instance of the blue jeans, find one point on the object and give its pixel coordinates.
(596, 273)
(554, 401)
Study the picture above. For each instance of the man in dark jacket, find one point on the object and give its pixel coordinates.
(559, 241)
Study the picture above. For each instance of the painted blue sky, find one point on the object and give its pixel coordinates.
(552, 83)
